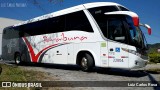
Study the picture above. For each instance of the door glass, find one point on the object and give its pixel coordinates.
(116, 30)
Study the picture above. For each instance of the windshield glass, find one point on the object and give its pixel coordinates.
(136, 35)
(100, 17)
(141, 38)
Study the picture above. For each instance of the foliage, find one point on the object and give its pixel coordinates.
(153, 47)
(154, 57)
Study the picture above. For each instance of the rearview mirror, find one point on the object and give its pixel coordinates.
(148, 28)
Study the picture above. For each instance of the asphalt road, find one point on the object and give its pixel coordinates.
(74, 73)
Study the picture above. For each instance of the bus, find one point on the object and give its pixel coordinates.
(99, 34)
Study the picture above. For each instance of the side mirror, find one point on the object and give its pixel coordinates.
(148, 28)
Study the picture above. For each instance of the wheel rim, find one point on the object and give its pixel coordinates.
(84, 63)
(17, 59)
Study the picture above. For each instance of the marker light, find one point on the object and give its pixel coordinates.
(149, 29)
(135, 21)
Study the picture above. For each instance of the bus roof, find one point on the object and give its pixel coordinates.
(68, 10)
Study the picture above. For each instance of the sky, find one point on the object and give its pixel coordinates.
(147, 10)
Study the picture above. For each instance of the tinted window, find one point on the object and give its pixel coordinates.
(78, 21)
(73, 21)
(116, 30)
(56, 24)
(52, 25)
(34, 28)
(10, 32)
(100, 17)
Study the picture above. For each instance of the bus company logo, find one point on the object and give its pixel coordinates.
(6, 84)
(64, 38)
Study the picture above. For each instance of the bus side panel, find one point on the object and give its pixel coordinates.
(9, 47)
(71, 54)
(118, 58)
(57, 55)
(46, 48)
(31, 48)
(23, 50)
(82, 41)
(132, 57)
(10, 44)
(13, 46)
(92, 47)
(135, 61)
(104, 54)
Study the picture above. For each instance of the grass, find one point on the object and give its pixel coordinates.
(151, 63)
(14, 73)
(154, 70)
(11, 73)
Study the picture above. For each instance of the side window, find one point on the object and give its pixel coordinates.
(5, 33)
(10, 33)
(78, 21)
(55, 24)
(51, 25)
(116, 30)
(34, 28)
(100, 17)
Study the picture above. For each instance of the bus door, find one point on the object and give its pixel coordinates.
(117, 35)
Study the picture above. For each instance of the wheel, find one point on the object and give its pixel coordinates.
(17, 59)
(86, 62)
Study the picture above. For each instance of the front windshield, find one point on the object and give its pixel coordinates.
(118, 28)
(136, 37)
(121, 28)
(140, 38)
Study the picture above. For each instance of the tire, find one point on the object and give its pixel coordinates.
(87, 62)
(17, 59)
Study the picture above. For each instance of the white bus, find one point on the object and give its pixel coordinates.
(100, 34)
